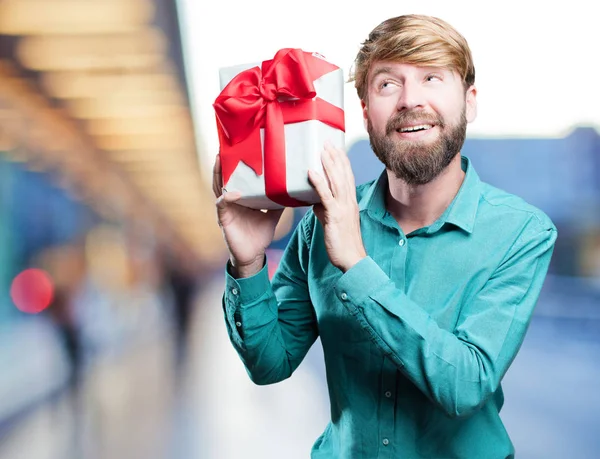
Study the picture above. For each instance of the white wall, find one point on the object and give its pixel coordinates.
(536, 65)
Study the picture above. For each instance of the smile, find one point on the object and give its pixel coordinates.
(420, 127)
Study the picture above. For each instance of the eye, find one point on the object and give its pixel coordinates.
(433, 77)
(386, 84)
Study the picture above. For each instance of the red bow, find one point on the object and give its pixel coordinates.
(279, 93)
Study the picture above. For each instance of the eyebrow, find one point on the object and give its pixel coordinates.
(378, 72)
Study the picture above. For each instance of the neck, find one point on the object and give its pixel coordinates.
(417, 206)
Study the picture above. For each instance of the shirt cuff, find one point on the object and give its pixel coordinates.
(360, 281)
(248, 289)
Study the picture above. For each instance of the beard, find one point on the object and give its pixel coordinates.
(418, 163)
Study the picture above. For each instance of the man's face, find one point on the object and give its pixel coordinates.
(417, 118)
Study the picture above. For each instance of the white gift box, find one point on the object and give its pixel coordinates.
(304, 143)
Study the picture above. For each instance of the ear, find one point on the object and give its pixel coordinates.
(471, 104)
(364, 108)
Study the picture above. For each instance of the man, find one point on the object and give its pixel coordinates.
(420, 284)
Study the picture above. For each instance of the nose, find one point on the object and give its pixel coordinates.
(411, 96)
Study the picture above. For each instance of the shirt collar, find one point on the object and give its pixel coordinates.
(461, 212)
(373, 200)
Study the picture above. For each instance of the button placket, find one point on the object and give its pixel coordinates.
(387, 404)
(397, 268)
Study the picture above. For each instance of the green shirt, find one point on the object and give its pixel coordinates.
(417, 336)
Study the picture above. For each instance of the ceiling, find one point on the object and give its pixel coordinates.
(96, 90)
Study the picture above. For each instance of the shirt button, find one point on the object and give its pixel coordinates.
(388, 394)
(234, 291)
(385, 442)
(238, 324)
(401, 243)
(344, 296)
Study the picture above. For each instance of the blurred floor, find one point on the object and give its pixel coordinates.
(140, 405)
(119, 411)
(135, 406)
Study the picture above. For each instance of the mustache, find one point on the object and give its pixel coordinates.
(412, 116)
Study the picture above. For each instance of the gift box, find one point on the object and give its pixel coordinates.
(273, 119)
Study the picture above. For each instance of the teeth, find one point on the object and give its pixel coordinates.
(416, 128)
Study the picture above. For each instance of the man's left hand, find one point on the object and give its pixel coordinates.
(338, 210)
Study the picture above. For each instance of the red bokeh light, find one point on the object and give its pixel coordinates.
(32, 291)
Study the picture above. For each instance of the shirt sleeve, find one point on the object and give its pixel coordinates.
(457, 370)
(272, 325)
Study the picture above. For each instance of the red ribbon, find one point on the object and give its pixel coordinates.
(280, 92)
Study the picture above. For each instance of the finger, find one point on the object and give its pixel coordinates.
(347, 166)
(339, 156)
(332, 173)
(320, 185)
(336, 153)
(344, 166)
(217, 177)
(333, 167)
(333, 150)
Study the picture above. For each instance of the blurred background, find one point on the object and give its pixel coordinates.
(112, 341)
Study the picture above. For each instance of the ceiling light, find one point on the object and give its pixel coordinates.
(22, 17)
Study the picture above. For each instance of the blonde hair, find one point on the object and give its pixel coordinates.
(417, 40)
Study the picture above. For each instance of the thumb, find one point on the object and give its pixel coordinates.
(228, 198)
(224, 202)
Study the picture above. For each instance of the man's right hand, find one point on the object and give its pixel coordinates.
(247, 232)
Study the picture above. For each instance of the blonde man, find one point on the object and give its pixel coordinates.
(421, 284)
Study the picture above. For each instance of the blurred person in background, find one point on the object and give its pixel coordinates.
(182, 284)
(421, 284)
(67, 267)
